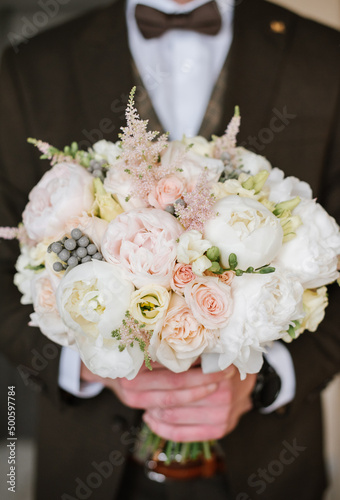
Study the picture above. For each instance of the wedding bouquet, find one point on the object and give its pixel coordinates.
(149, 250)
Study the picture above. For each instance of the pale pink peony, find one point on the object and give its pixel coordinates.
(63, 192)
(166, 192)
(210, 301)
(182, 275)
(143, 243)
(182, 338)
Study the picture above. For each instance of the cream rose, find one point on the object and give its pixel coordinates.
(245, 227)
(182, 338)
(149, 304)
(210, 301)
(63, 192)
(143, 243)
(120, 185)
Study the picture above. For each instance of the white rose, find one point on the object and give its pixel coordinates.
(92, 300)
(120, 185)
(264, 306)
(46, 315)
(245, 227)
(191, 246)
(149, 305)
(191, 164)
(250, 162)
(282, 189)
(199, 145)
(107, 150)
(312, 254)
(314, 304)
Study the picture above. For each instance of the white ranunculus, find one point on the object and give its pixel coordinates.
(245, 227)
(312, 254)
(264, 306)
(250, 162)
(46, 314)
(191, 246)
(92, 300)
(285, 188)
(107, 150)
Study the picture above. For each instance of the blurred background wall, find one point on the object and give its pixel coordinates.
(28, 15)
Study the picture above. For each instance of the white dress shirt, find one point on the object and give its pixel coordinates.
(179, 70)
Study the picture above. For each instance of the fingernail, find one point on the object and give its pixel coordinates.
(212, 387)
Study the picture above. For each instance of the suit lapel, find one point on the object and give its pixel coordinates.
(103, 71)
(255, 62)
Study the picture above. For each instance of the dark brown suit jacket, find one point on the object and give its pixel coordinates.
(72, 84)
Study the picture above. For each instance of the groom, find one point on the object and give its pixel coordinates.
(72, 84)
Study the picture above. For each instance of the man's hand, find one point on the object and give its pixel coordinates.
(188, 406)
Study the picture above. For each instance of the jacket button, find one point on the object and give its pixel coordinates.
(119, 423)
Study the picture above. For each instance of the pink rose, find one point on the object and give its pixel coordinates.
(182, 338)
(182, 275)
(63, 192)
(166, 191)
(143, 242)
(210, 301)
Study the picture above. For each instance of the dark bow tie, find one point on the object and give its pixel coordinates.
(153, 23)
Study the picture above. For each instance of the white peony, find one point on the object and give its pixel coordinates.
(245, 227)
(264, 306)
(312, 254)
(285, 188)
(250, 162)
(92, 300)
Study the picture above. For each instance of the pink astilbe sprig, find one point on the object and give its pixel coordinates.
(12, 233)
(50, 152)
(227, 142)
(131, 331)
(198, 206)
(141, 152)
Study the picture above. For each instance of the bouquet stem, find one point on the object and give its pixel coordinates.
(164, 459)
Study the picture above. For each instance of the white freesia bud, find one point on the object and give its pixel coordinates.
(200, 265)
(191, 246)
